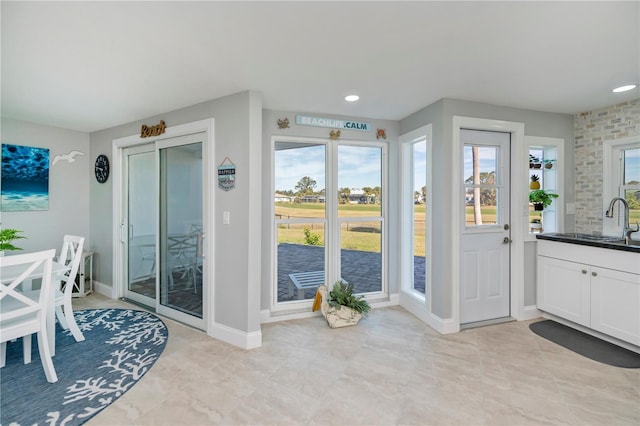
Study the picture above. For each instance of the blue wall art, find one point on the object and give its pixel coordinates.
(24, 183)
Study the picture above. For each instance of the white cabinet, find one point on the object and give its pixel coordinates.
(615, 304)
(84, 280)
(564, 289)
(578, 283)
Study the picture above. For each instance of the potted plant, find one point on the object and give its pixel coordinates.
(535, 182)
(534, 162)
(340, 306)
(536, 225)
(548, 164)
(7, 236)
(541, 199)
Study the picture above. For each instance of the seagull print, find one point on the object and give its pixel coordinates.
(67, 157)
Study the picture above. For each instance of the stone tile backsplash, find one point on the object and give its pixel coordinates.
(591, 128)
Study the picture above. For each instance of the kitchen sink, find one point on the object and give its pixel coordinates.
(591, 237)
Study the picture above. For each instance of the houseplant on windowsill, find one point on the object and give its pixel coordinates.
(535, 182)
(536, 225)
(340, 306)
(7, 236)
(541, 199)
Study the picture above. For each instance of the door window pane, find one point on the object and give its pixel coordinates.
(360, 196)
(300, 266)
(142, 206)
(361, 255)
(300, 184)
(359, 181)
(181, 228)
(481, 185)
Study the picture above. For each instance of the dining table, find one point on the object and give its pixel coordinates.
(10, 273)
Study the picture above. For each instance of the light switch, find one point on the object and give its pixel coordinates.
(226, 218)
(571, 208)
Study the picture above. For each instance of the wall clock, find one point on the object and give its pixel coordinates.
(102, 168)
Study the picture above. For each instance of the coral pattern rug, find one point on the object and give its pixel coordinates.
(120, 346)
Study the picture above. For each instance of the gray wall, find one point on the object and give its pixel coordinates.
(440, 115)
(591, 129)
(68, 187)
(236, 265)
(270, 128)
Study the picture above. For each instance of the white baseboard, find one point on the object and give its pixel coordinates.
(419, 310)
(103, 289)
(530, 312)
(241, 339)
(267, 316)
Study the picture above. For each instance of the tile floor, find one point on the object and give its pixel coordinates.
(390, 369)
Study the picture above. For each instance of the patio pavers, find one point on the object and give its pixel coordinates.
(360, 268)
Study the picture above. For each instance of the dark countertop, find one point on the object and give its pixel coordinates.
(613, 243)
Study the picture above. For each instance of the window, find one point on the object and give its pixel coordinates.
(416, 213)
(621, 178)
(630, 183)
(329, 223)
(545, 165)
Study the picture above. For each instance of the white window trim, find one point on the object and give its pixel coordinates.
(293, 309)
(415, 302)
(611, 177)
(558, 144)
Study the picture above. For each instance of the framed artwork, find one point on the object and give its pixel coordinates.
(24, 179)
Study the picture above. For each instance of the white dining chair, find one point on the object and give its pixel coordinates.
(21, 316)
(70, 255)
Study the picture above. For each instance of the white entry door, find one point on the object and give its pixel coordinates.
(486, 235)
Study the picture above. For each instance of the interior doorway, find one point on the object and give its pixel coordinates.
(518, 210)
(486, 232)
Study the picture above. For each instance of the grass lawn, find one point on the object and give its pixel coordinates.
(366, 236)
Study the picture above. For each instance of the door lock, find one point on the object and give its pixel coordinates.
(506, 240)
(506, 227)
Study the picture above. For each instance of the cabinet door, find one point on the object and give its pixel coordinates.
(615, 304)
(564, 289)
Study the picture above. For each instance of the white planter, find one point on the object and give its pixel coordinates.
(337, 317)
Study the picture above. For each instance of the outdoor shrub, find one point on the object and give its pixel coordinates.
(311, 238)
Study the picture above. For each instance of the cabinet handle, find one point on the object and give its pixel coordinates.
(584, 271)
(594, 274)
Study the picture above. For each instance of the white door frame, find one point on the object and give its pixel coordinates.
(208, 152)
(518, 206)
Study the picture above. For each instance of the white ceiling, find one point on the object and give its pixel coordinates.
(92, 65)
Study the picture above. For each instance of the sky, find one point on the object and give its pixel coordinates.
(358, 166)
(632, 165)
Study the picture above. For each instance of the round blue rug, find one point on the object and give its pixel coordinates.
(120, 346)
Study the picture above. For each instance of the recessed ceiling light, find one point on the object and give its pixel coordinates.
(351, 98)
(624, 88)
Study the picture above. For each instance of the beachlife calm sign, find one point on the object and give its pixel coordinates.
(305, 120)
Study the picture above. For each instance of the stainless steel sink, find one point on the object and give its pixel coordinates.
(591, 237)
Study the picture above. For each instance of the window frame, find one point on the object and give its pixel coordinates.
(331, 220)
(553, 148)
(407, 287)
(612, 177)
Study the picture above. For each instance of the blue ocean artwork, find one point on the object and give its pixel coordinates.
(24, 183)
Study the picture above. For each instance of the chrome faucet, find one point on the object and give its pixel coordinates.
(626, 230)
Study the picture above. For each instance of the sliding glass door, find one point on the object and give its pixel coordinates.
(163, 198)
